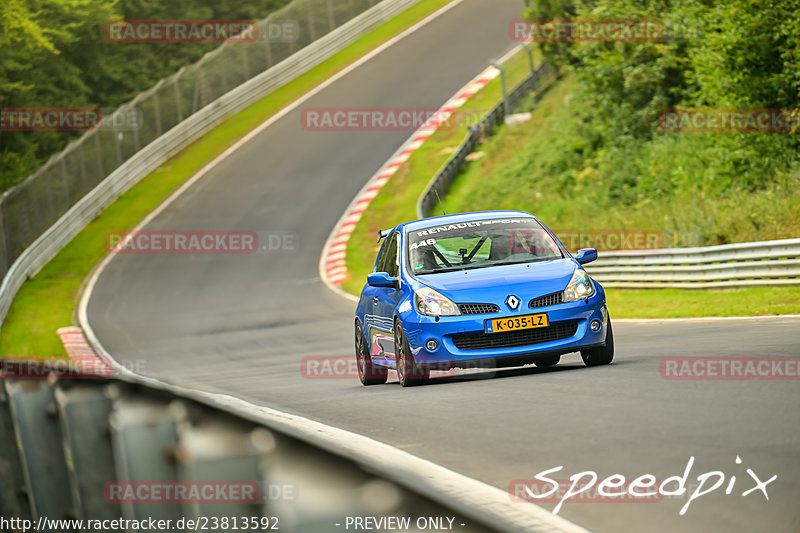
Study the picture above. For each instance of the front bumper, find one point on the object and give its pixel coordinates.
(422, 329)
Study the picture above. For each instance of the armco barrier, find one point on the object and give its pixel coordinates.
(41, 226)
(121, 448)
(728, 265)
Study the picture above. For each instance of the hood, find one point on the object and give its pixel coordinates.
(495, 284)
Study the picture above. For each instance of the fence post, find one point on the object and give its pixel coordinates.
(331, 18)
(178, 103)
(506, 105)
(156, 112)
(310, 9)
(530, 57)
(245, 65)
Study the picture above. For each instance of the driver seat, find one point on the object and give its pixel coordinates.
(428, 260)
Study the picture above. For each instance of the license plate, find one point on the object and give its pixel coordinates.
(513, 323)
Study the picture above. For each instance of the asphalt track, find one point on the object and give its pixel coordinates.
(240, 324)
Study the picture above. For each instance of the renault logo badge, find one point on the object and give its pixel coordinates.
(513, 302)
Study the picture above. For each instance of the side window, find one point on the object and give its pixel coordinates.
(390, 264)
(382, 255)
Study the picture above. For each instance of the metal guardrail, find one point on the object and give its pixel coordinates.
(35, 226)
(728, 265)
(69, 449)
(444, 178)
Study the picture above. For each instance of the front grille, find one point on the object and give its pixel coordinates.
(515, 339)
(477, 309)
(547, 299)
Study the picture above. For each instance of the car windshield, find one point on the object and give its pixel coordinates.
(478, 244)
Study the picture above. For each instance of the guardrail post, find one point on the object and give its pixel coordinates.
(40, 447)
(84, 411)
(13, 502)
(222, 450)
(144, 439)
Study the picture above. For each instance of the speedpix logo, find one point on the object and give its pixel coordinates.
(645, 486)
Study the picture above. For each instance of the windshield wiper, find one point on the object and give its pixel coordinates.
(455, 268)
(537, 260)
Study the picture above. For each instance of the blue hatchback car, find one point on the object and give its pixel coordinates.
(488, 289)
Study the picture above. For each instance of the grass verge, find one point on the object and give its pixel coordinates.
(46, 302)
(673, 303)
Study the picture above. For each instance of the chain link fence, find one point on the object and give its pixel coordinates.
(29, 208)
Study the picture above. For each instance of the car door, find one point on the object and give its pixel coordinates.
(374, 328)
(386, 299)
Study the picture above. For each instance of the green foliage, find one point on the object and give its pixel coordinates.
(54, 54)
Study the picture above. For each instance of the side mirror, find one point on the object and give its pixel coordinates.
(382, 279)
(586, 255)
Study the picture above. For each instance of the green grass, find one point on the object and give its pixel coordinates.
(46, 302)
(397, 200)
(670, 303)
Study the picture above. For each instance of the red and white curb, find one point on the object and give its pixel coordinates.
(332, 267)
(81, 353)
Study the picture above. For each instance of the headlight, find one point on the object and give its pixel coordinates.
(579, 287)
(429, 302)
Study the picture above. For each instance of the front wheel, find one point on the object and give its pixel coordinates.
(603, 354)
(408, 373)
(368, 373)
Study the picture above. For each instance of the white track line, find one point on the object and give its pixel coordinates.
(469, 496)
(703, 318)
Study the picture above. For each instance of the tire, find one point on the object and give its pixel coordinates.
(408, 373)
(368, 373)
(603, 354)
(548, 361)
